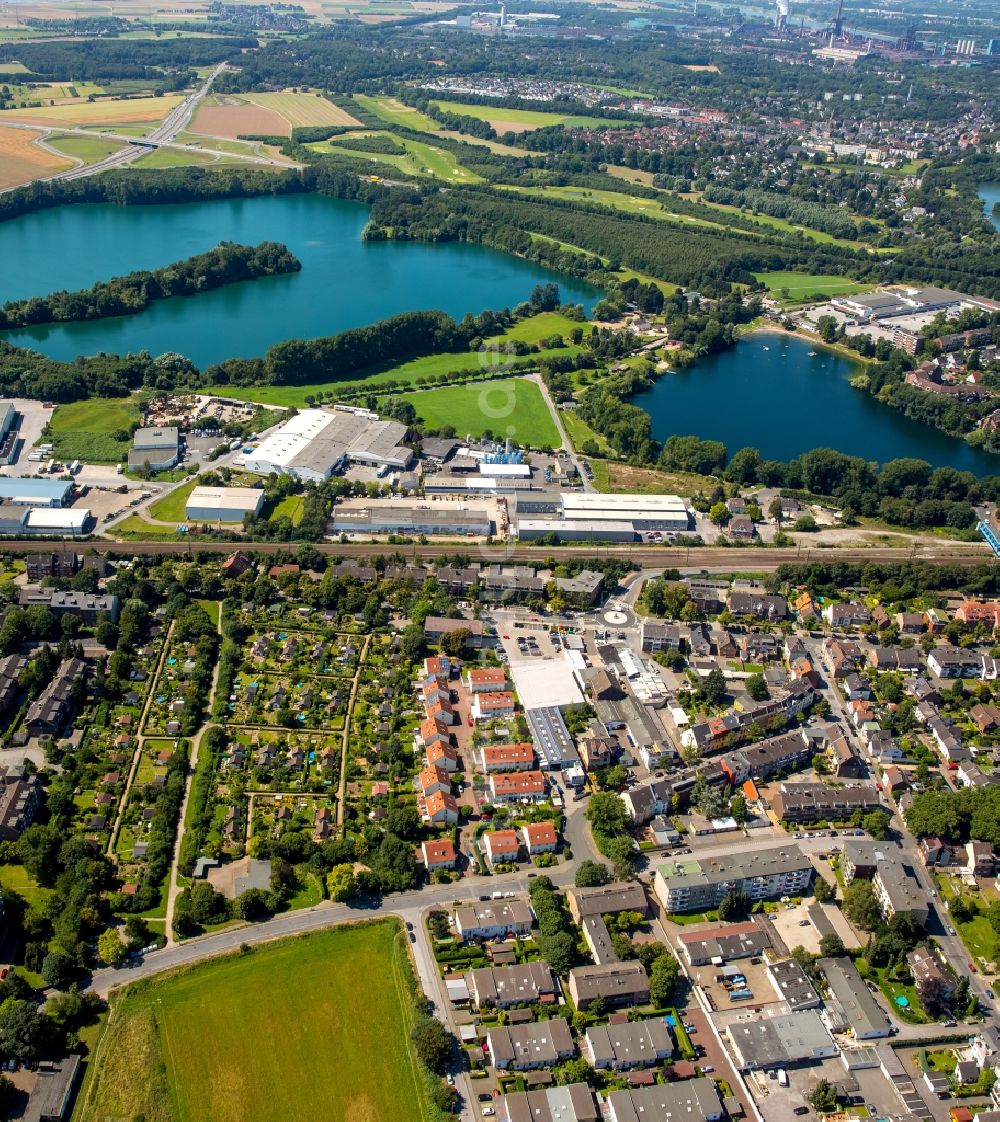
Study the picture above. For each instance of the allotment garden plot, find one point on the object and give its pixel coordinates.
(295, 680)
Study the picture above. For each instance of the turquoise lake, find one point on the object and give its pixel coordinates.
(344, 281)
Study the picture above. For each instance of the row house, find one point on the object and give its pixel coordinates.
(762, 760)
(956, 662)
(433, 731)
(433, 779)
(812, 802)
(442, 756)
(440, 809)
(492, 706)
(514, 786)
(902, 660)
(508, 757)
(487, 679)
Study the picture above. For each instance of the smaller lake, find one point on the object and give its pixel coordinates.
(990, 194)
(768, 393)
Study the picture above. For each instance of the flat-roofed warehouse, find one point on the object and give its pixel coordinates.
(645, 512)
(528, 529)
(223, 504)
(771, 1042)
(379, 518)
(23, 490)
(315, 443)
(157, 447)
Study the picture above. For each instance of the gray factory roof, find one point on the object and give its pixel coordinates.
(769, 1042)
(551, 737)
(793, 985)
(156, 438)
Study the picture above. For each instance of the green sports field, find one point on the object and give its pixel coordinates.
(294, 1031)
(508, 407)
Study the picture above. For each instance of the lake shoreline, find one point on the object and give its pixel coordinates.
(784, 401)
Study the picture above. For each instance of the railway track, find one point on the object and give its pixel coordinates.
(693, 557)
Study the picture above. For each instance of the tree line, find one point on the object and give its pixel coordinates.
(227, 263)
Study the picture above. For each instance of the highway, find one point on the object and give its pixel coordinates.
(161, 137)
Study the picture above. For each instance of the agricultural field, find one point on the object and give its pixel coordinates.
(180, 1047)
(300, 109)
(22, 160)
(88, 149)
(511, 407)
(86, 430)
(108, 111)
(801, 286)
(228, 116)
(525, 120)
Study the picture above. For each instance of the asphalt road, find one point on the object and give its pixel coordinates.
(176, 120)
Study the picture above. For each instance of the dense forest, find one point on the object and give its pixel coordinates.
(96, 60)
(227, 263)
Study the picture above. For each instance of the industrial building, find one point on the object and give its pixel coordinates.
(420, 518)
(315, 443)
(159, 448)
(9, 440)
(588, 516)
(888, 303)
(762, 874)
(21, 490)
(773, 1042)
(223, 504)
(21, 521)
